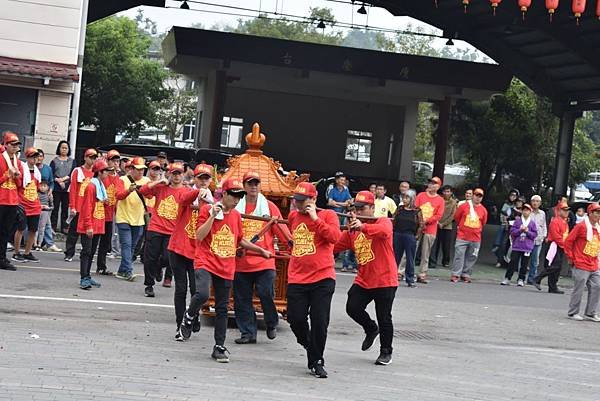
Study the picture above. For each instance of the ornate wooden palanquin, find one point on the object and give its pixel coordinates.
(278, 188)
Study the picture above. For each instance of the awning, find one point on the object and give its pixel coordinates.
(38, 69)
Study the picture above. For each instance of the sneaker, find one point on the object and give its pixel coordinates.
(159, 276)
(454, 279)
(537, 285)
(384, 358)
(271, 333)
(85, 284)
(196, 324)
(318, 370)
(54, 248)
(6, 265)
(411, 285)
(369, 339)
(178, 336)
(505, 282)
(520, 283)
(68, 258)
(355, 270)
(593, 318)
(185, 328)
(18, 257)
(103, 271)
(344, 269)
(576, 316)
(555, 291)
(466, 279)
(167, 283)
(149, 292)
(494, 249)
(245, 340)
(37, 248)
(9, 247)
(30, 258)
(94, 283)
(498, 264)
(219, 354)
(125, 276)
(422, 279)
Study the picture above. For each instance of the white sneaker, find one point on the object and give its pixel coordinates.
(520, 283)
(576, 316)
(593, 318)
(54, 248)
(498, 264)
(505, 282)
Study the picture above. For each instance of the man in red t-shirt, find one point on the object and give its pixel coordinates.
(582, 247)
(111, 184)
(80, 178)
(470, 218)
(311, 274)
(377, 279)
(558, 231)
(219, 233)
(162, 223)
(432, 209)
(31, 206)
(11, 178)
(254, 272)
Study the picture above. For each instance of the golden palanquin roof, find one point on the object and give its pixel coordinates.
(272, 182)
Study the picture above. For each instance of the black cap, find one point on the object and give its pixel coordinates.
(339, 174)
(162, 154)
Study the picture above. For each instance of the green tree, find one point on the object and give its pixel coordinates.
(121, 88)
(584, 155)
(176, 110)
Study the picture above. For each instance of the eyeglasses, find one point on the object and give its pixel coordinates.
(14, 143)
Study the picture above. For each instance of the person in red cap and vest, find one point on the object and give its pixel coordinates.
(111, 183)
(31, 208)
(11, 178)
(311, 274)
(182, 245)
(377, 278)
(219, 233)
(161, 226)
(582, 247)
(254, 272)
(80, 178)
(91, 224)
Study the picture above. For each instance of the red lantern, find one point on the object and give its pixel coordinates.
(524, 5)
(466, 4)
(551, 5)
(495, 4)
(435, 2)
(598, 9)
(578, 8)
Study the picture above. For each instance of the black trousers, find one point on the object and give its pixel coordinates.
(310, 300)
(244, 285)
(222, 288)
(88, 249)
(61, 201)
(359, 298)
(105, 245)
(72, 237)
(183, 272)
(7, 218)
(520, 262)
(552, 271)
(443, 242)
(156, 256)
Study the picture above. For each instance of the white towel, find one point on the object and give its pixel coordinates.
(27, 174)
(8, 161)
(472, 212)
(261, 209)
(589, 230)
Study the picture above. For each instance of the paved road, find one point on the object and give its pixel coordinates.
(453, 342)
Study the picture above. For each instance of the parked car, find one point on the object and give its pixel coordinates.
(189, 155)
(581, 193)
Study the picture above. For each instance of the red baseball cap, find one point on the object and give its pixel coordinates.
(563, 205)
(593, 207)
(10, 137)
(436, 180)
(138, 162)
(478, 191)
(176, 167)
(251, 175)
(90, 152)
(154, 164)
(233, 185)
(203, 169)
(100, 165)
(305, 190)
(30, 152)
(527, 206)
(113, 154)
(364, 198)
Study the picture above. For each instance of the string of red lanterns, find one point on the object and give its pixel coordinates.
(524, 5)
(578, 7)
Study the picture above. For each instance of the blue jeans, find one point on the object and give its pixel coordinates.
(349, 259)
(405, 242)
(128, 237)
(534, 262)
(243, 289)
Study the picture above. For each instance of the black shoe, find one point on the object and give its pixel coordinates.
(318, 370)
(196, 324)
(369, 339)
(186, 327)
(17, 257)
(178, 336)
(6, 265)
(384, 358)
(411, 285)
(271, 333)
(159, 276)
(104, 271)
(245, 340)
(219, 354)
(537, 285)
(149, 292)
(555, 291)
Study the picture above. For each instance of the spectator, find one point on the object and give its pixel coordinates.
(45, 239)
(162, 160)
(432, 207)
(45, 171)
(443, 239)
(523, 233)
(502, 233)
(539, 217)
(572, 220)
(580, 215)
(470, 217)
(110, 182)
(468, 196)
(384, 206)
(339, 198)
(403, 188)
(408, 223)
(372, 187)
(62, 166)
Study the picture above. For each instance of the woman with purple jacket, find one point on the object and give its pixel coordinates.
(522, 234)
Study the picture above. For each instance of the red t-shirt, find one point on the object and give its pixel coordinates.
(432, 208)
(374, 252)
(9, 195)
(91, 213)
(583, 253)
(216, 252)
(253, 263)
(166, 208)
(469, 229)
(29, 199)
(77, 187)
(183, 240)
(558, 231)
(112, 184)
(312, 253)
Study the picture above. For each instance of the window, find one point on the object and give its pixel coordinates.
(358, 146)
(231, 133)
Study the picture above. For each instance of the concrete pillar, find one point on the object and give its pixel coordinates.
(218, 109)
(441, 138)
(211, 106)
(200, 110)
(563, 152)
(406, 143)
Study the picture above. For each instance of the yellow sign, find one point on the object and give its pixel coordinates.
(30, 192)
(99, 211)
(111, 195)
(427, 211)
(472, 222)
(190, 227)
(251, 228)
(168, 208)
(592, 248)
(362, 249)
(223, 242)
(304, 241)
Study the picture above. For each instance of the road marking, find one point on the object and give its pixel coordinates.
(56, 268)
(90, 301)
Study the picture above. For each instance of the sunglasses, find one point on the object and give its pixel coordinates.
(176, 172)
(478, 195)
(14, 143)
(236, 194)
(93, 156)
(156, 169)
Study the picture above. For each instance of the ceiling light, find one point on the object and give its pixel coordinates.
(184, 5)
(362, 10)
